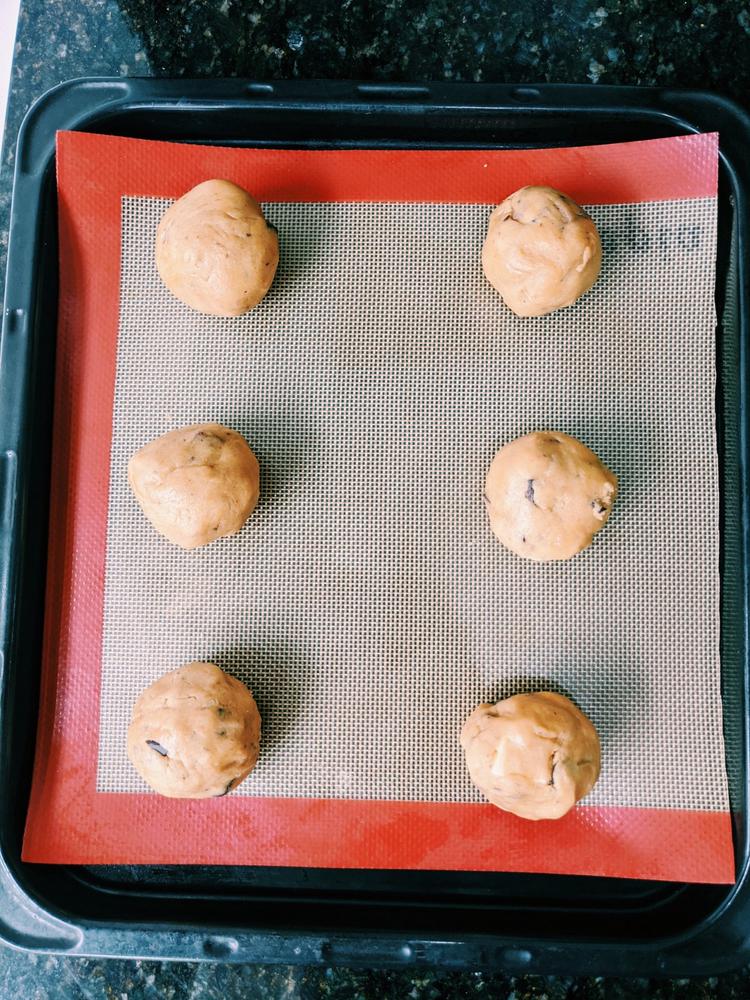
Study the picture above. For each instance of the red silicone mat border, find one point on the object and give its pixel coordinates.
(68, 820)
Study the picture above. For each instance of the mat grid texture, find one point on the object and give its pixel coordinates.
(366, 602)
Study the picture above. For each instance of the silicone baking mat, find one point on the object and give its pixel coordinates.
(366, 602)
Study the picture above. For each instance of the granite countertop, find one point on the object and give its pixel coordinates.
(674, 43)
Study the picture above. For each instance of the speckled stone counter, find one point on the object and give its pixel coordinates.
(43, 978)
(672, 43)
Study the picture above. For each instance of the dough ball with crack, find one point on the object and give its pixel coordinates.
(534, 755)
(215, 251)
(194, 733)
(196, 484)
(542, 251)
(547, 495)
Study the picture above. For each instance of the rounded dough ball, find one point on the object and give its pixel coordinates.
(194, 733)
(215, 251)
(547, 495)
(542, 251)
(196, 484)
(534, 755)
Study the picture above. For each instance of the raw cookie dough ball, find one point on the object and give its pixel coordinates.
(542, 251)
(196, 484)
(547, 495)
(194, 733)
(534, 755)
(215, 251)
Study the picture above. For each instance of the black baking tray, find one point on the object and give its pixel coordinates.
(539, 923)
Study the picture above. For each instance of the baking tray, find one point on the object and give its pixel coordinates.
(351, 917)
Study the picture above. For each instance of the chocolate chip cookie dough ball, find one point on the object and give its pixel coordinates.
(542, 251)
(534, 755)
(547, 495)
(215, 251)
(194, 733)
(196, 484)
